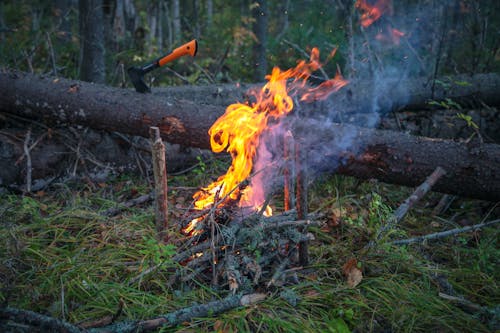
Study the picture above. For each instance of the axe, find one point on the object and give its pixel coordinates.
(137, 73)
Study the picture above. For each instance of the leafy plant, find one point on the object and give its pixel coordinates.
(156, 252)
(468, 120)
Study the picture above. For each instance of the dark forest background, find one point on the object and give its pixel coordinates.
(242, 40)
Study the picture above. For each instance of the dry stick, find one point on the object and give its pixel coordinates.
(444, 233)
(203, 310)
(410, 201)
(443, 204)
(43, 322)
(127, 204)
(160, 175)
(106, 320)
(301, 199)
(28, 160)
(280, 269)
(461, 301)
(212, 250)
(52, 54)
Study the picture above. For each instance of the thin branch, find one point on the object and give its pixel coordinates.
(52, 54)
(127, 204)
(28, 160)
(443, 234)
(45, 323)
(411, 201)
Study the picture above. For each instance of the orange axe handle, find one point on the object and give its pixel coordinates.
(188, 48)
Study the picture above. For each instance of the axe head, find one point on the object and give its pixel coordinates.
(136, 75)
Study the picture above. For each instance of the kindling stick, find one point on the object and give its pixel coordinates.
(160, 176)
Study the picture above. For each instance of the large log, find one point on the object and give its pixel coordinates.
(472, 171)
(360, 95)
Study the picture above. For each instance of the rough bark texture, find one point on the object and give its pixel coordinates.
(359, 96)
(472, 171)
(260, 14)
(101, 107)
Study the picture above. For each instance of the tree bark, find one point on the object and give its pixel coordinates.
(357, 97)
(260, 13)
(176, 20)
(92, 67)
(472, 171)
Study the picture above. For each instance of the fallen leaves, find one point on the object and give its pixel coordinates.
(352, 272)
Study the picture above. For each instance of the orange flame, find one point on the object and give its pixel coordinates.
(372, 12)
(239, 131)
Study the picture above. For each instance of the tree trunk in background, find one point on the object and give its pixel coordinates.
(393, 157)
(159, 29)
(260, 14)
(209, 8)
(118, 25)
(176, 21)
(196, 18)
(169, 25)
(92, 64)
(152, 26)
(61, 10)
(2, 23)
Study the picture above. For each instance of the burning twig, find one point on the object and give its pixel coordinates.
(160, 176)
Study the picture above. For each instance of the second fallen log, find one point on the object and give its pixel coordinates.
(392, 157)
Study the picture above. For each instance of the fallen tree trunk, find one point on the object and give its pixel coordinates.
(359, 96)
(389, 156)
(473, 170)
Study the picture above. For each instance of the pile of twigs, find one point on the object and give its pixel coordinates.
(244, 255)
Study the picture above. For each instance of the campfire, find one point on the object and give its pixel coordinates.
(234, 235)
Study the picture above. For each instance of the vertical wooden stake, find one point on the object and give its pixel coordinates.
(301, 198)
(160, 176)
(288, 157)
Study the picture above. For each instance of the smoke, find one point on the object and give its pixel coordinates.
(384, 55)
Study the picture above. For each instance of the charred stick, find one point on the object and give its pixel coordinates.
(288, 170)
(160, 176)
(213, 250)
(301, 198)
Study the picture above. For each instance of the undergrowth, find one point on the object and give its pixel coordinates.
(61, 257)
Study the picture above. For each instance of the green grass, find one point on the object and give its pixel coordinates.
(60, 257)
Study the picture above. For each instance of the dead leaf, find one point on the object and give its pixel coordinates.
(73, 88)
(233, 283)
(352, 272)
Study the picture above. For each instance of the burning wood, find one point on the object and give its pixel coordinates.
(244, 254)
(236, 227)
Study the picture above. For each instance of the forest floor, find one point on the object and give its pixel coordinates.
(60, 256)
